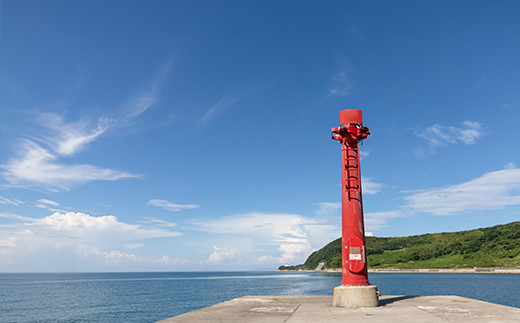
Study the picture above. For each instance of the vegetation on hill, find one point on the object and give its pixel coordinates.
(497, 246)
(290, 267)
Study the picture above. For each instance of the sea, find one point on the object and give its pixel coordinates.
(153, 296)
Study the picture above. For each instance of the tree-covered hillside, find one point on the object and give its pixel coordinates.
(497, 246)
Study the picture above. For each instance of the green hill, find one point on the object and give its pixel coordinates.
(497, 246)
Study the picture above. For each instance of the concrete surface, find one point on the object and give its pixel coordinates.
(399, 309)
(355, 296)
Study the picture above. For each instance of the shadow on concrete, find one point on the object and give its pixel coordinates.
(390, 300)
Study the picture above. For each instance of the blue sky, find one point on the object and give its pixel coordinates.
(195, 135)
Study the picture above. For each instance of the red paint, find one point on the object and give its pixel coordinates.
(350, 116)
(350, 132)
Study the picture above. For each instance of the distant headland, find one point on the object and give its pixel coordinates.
(486, 250)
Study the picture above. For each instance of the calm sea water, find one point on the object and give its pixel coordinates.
(148, 297)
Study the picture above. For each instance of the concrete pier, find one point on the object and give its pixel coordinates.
(399, 309)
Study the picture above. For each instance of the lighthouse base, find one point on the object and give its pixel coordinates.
(355, 296)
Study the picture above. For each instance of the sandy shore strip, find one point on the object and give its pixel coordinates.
(428, 270)
(451, 270)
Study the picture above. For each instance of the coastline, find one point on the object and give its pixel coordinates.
(426, 270)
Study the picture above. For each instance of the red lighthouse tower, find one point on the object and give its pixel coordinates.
(355, 290)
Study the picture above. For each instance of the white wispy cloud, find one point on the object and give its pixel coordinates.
(16, 217)
(133, 246)
(218, 107)
(117, 257)
(493, 190)
(341, 83)
(328, 208)
(15, 202)
(267, 260)
(490, 191)
(172, 206)
(72, 227)
(167, 260)
(369, 186)
(49, 205)
(373, 220)
(140, 103)
(376, 220)
(70, 137)
(38, 161)
(112, 255)
(221, 255)
(79, 225)
(59, 235)
(48, 202)
(158, 222)
(39, 167)
(292, 251)
(291, 237)
(437, 135)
